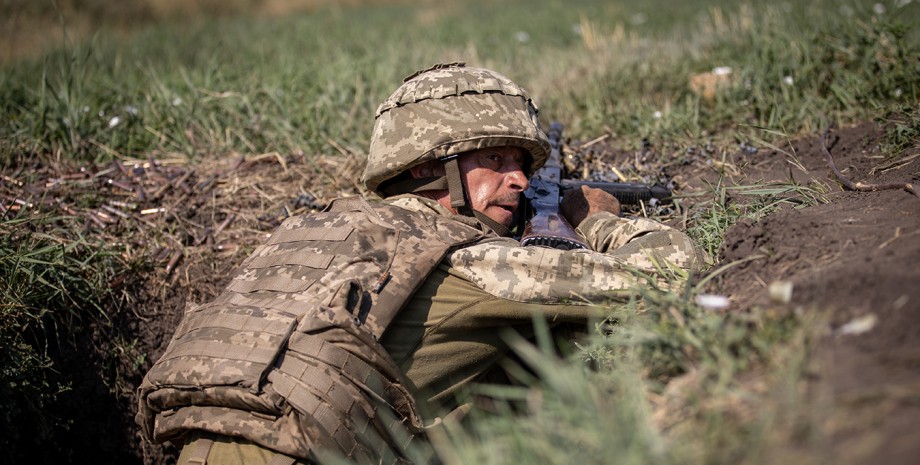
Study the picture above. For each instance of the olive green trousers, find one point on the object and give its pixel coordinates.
(203, 448)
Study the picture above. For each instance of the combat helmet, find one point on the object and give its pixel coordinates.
(440, 112)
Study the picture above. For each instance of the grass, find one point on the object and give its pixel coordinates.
(208, 87)
(905, 132)
(52, 289)
(301, 83)
(669, 382)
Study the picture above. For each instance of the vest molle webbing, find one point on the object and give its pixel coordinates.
(287, 356)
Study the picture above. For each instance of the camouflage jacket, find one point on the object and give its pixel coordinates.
(288, 355)
(501, 267)
(453, 330)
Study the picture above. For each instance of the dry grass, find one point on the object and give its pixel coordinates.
(29, 28)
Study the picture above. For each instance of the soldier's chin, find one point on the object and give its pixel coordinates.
(500, 215)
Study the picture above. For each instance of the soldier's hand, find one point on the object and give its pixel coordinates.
(578, 204)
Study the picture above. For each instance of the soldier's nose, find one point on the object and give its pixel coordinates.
(517, 180)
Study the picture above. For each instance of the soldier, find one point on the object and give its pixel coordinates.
(336, 333)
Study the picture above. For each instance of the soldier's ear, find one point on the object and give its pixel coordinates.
(431, 168)
(418, 171)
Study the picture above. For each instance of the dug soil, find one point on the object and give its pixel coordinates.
(852, 259)
(855, 260)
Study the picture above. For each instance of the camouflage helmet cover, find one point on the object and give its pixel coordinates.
(446, 110)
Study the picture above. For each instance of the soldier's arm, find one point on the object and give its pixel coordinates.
(635, 237)
(597, 216)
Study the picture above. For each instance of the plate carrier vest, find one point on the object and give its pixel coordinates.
(287, 356)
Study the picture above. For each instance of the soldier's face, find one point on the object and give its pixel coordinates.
(494, 179)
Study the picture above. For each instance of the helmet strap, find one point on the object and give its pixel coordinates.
(495, 226)
(458, 198)
(454, 185)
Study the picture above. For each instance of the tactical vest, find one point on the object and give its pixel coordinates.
(288, 355)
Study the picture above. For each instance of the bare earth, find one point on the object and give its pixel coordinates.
(854, 258)
(857, 258)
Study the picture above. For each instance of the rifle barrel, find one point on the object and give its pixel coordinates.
(626, 192)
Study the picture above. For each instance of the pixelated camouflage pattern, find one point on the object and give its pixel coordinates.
(543, 275)
(287, 356)
(447, 110)
(431, 207)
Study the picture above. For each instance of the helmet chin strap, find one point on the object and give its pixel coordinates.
(454, 185)
(458, 198)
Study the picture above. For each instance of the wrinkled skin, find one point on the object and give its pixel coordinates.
(494, 180)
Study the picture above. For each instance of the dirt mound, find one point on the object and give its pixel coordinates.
(852, 259)
(855, 258)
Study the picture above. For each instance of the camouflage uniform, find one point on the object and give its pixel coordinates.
(447, 334)
(450, 333)
(332, 331)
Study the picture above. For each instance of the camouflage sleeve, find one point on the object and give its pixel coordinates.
(622, 237)
(605, 232)
(541, 275)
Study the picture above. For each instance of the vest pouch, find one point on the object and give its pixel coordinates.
(222, 345)
(335, 374)
(348, 305)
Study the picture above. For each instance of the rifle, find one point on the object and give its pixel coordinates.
(547, 227)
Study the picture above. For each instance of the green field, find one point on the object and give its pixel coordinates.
(294, 83)
(209, 87)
